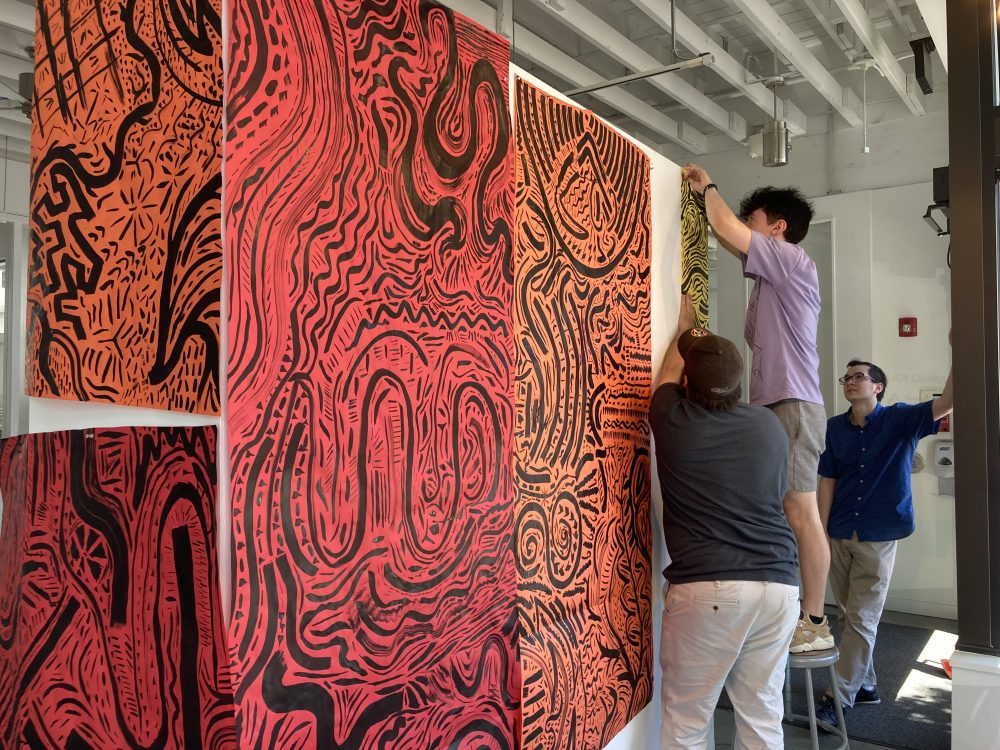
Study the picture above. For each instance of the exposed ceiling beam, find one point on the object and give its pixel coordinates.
(725, 65)
(15, 115)
(607, 39)
(11, 64)
(574, 72)
(862, 24)
(8, 88)
(897, 17)
(17, 16)
(775, 31)
(558, 62)
(19, 151)
(10, 129)
(505, 19)
(480, 12)
(831, 32)
(934, 15)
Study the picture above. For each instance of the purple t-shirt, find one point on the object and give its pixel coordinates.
(781, 322)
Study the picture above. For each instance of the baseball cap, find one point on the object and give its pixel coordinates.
(713, 364)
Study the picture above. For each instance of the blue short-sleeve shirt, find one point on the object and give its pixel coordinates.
(872, 467)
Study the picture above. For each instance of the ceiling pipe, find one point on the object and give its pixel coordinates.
(706, 58)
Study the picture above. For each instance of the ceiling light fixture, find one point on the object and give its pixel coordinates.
(937, 213)
(776, 140)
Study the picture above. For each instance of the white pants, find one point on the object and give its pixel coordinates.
(732, 633)
(859, 578)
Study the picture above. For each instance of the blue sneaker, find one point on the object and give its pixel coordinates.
(826, 712)
(867, 696)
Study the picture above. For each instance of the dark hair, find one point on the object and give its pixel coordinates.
(781, 203)
(874, 372)
(715, 403)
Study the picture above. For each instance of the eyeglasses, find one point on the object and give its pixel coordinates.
(858, 377)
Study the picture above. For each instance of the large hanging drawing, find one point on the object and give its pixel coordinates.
(111, 630)
(370, 400)
(582, 321)
(125, 248)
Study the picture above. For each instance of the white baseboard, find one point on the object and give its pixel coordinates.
(921, 607)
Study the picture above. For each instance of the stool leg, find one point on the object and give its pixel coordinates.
(840, 709)
(788, 690)
(812, 710)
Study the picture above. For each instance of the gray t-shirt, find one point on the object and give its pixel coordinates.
(782, 318)
(722, 477)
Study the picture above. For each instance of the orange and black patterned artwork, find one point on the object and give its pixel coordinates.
(111, 626)
(694, 251)
(125, 247)
(582, 385)
(370, 196)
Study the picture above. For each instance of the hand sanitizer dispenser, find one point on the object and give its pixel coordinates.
(944, 466)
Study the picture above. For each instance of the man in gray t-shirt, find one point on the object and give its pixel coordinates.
(732, 601)
(781, 324)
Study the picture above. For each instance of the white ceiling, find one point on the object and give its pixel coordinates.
(817, 47)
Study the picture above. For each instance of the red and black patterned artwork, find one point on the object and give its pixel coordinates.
(369, 184)
(111, 634)
(125, 248)
(582, 331)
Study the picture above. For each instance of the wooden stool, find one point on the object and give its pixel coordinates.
(809, 661)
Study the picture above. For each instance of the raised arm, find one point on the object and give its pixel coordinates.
(672, 369)
(732, 233)
(944, 403)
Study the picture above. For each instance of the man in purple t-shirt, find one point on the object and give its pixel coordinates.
(782, 318)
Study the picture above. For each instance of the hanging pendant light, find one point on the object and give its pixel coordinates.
(776, 140)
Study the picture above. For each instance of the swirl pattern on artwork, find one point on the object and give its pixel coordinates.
(370, 398)
(582, 385)
(694, 251)
(125, 246)
(111, 631)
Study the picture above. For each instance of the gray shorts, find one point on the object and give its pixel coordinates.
(805, 425)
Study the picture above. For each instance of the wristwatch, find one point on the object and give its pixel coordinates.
(709, 185)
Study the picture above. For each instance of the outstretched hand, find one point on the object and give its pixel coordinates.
(696, 177)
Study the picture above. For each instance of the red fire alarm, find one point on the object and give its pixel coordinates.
(907, 327)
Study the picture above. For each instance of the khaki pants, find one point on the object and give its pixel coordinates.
(732, 633)
(859, 577)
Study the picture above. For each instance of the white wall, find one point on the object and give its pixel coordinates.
(910, 277)
(851, 217)
(14, 188)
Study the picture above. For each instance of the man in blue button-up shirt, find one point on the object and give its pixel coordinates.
(866, 504)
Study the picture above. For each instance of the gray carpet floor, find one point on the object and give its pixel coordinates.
(915, 712)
